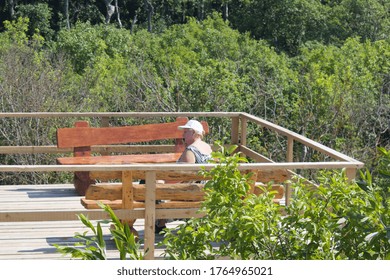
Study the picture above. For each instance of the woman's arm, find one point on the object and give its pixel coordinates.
(187, 157)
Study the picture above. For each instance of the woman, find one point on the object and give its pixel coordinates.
(196, 151)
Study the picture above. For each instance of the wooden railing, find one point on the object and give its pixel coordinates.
(239, 125)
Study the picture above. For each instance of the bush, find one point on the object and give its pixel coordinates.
(94, 247)
(336, 220)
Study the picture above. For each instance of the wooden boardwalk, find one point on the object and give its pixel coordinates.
(35, 240)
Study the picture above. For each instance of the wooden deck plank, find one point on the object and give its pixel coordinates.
(35, 240)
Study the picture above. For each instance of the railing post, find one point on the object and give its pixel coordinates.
(289, 158)
(287, 194)
(235, 128)
(290, 149)
(244, 125)
(150, 214)
(350, 173)
(104, 122)
(127, 194)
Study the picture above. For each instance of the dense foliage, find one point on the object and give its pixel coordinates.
(336, 220)
(285, 24)
(334, 90)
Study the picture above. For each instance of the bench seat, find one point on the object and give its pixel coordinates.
(120, 159)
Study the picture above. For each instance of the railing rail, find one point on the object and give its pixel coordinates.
(118, 114)
(239, 122)
(176, 167)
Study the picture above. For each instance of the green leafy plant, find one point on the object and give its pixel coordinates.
(230, 221)
(383, 169)
(90, 247)
(336, 220)
(125, 240)
(379, 180)
(94, 247)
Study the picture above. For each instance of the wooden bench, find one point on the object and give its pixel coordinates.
(189, 195)
(82, 137)
(176, 200)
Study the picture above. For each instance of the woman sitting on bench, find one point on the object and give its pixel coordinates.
(196, 151)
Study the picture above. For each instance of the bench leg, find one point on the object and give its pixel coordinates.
(81, 182)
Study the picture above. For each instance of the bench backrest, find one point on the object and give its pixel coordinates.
(83, 136)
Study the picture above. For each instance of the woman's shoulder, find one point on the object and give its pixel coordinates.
(202, 147)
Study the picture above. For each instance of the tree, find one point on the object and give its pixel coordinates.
(11, 8)
(368, 19)
(66, 9)
(150, 11)
(111, 9)
(289, 24)
(39, 16)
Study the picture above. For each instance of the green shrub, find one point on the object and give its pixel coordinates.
(94, 247)
(336, 220)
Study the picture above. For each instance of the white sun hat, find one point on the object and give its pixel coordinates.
(193, 124)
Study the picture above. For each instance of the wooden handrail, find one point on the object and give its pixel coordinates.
(299, 138)
(178, 167)
(118, 115)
